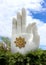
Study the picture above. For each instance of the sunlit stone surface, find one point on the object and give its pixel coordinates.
(24, 39)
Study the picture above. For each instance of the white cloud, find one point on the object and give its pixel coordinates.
(9, 8)
(5, 29)
(42, 31)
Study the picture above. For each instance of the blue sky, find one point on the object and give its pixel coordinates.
(36, 12)
(39, 15)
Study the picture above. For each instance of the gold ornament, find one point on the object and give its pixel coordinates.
(20, 42)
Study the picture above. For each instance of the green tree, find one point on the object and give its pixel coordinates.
(6, 40)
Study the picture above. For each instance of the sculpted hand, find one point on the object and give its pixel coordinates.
(24, 39)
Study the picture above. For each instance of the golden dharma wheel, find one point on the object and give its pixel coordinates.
(20, 42)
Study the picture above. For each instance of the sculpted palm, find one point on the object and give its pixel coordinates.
(24, 39)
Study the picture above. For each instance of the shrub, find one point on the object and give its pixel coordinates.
(32, 58)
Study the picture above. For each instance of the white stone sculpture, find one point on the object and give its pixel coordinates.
(24, 39)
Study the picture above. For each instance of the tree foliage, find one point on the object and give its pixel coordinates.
(32, 58)
(6, 40)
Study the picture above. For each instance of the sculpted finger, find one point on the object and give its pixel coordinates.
(14, 26)
(35, 29)
(33, 24)
(23, 19)
(18, 23)
(30, 27)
